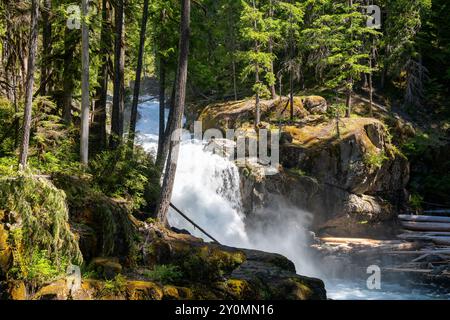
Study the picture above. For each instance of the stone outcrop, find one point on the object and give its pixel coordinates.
(239, 113)
(351, 184)
(156, 263)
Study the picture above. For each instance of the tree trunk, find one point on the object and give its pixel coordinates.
(348, 103)
(68, 84)
(162, 107)
(46, 47)
(30, 83)
(233, 49)
(137, 82)
(102, 90)
(272, 89)
(119, 67)
(176, 123)
(370, 89)
(165, 144)
(273, 92)
(85, 102)
(257, 98)
(291, 67)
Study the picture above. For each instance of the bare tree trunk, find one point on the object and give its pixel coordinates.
(119, 68)
(273, 92)
(169, 176)
(162, 106)
(165, 144)
(46, 46)
(257, 99)
(102, 91)
(348, 102)
(30, 83)
(370, 88)
(85, 102)
(291, 67)
(68, 84)
(233, 49)
(137, 82)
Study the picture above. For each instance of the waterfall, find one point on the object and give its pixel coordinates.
(206, 185)
(207, 189)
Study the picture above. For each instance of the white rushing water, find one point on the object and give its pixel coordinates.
(207, 190)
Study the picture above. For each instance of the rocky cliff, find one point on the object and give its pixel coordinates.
(44, 229)
(347, 173)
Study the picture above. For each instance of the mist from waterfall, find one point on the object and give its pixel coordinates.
(207, 189)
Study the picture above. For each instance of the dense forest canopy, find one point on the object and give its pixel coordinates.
(77, 59)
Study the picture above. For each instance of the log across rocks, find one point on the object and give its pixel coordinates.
(426, 226)
(417, 218)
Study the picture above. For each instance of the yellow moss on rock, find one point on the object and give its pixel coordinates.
(177, 293)
(238, 289)
(17, 290)
(143, 290)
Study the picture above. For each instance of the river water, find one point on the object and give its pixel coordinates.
(207, 190)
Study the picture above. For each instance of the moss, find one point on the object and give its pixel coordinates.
(239, 289)
(164, 274)
(111, 220)
(40, 238)
(177, 293)
(115, 286)
(143, 290)
(375, 159)
(209, 264)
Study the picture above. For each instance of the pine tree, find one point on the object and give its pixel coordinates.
(339, 34)
(85, 98)
(255, 31)
(177, 118)
(30, 83)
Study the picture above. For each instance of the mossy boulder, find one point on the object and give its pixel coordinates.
(214, 271)
(104, 226)
(353, 183)
(234, 115)
(36, 242)
(144, 290)
(107, 268)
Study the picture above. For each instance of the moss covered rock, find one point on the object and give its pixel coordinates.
(36, 242)
(236, 114)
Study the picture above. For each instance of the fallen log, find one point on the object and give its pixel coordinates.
(443, 241)
(417, 218)
(421, 252)
(426, 226)
(438, 211)
(359, 241)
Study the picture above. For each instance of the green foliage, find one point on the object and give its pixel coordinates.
(7, 119)
(126, 174)
(258, 30)
(375, 159)
(116, 285)
(420, 143)
(165, 274)
(42, 243)
(337, 38)
(416, 201)
(336, 110)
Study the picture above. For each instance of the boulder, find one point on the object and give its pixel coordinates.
(107, 268)
(356, 178)
(315, 104)
(233, 115)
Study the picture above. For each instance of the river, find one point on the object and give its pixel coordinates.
(207, 190)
